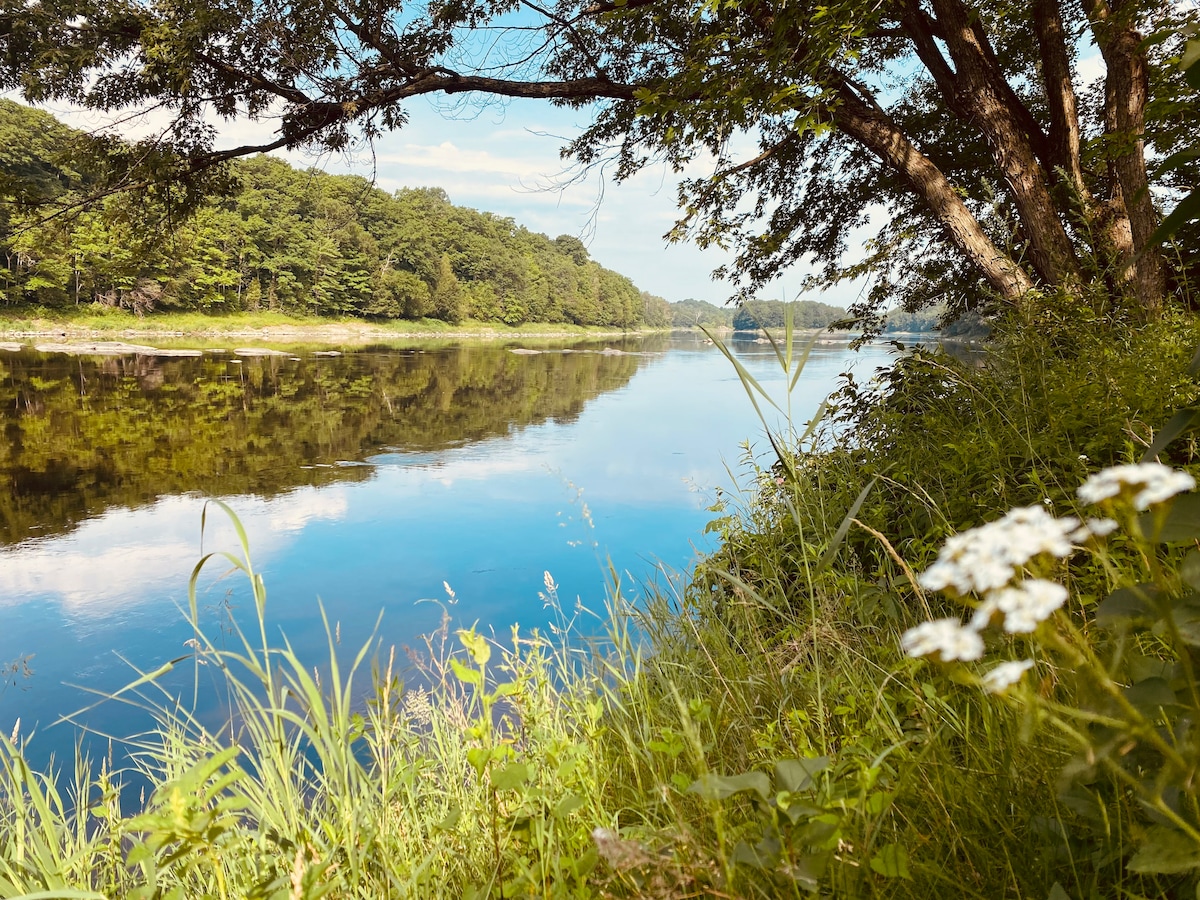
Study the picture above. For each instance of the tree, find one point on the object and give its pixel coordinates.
(447, 299)
(964, 119)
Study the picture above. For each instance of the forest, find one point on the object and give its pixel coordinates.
(277, 238)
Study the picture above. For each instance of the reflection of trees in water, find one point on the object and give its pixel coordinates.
(82, 434)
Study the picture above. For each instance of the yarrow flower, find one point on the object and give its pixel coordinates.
(1024, 606)
(946, 637)
(1005, 675)
(986, 558)
(1157, 483)
(1093, 528)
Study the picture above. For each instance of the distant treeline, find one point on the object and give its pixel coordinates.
(810, 314)
(280, 238)
(753, 315)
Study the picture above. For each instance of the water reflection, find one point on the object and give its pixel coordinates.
(86, 434)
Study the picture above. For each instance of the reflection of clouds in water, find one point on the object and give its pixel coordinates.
(123, 555)
(482, 468)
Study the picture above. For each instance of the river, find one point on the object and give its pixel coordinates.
(375, 482)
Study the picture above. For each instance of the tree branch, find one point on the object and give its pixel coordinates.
(1064, 134)
(875, 131)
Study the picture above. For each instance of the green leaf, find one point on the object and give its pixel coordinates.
(1150, 695)
(1165, 851)
(465, 675)
(510, 777)
(1187, 210)
(891, 862)
(1189, 570)
(1187, 63)
(844, 528)
(479, 757)
(878, 802)
(809, 869)
(1186, 614)
(476, 644)
(1182, 520)
(450, 819)
(1058, 893)
(718, 787)
(1136, 603)
(797, 774)
(138, 854)
(566, 806)
(1184, 420)
(821, 831)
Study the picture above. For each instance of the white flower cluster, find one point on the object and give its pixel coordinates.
(944, 636)
(1005, 675)
(1024, 605)
(986, 558)
(988, 561)
(1155, 482)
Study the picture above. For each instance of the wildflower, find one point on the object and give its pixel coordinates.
(1093, 528)
(986, 558)
(944, 636)
(1024, 606)
(1005, 675)
(418, 706)
(1157, 483)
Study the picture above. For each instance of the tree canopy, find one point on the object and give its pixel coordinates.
(959, 129)
(280, 238)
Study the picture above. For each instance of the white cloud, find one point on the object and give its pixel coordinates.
(1090, 68)
(448, 157)
(132, 555)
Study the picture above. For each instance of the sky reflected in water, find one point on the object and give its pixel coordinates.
(625, 480)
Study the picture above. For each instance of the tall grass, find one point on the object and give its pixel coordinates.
(755, 731)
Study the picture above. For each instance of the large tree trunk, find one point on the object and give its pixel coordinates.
(1105, 226)
(1125, 92)
(871, 127)
(1060, 100)
(1013, 138)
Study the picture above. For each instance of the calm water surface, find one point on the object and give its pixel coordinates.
(364, 482)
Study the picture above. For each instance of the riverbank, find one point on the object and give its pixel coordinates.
(269, 327)
(764, 729)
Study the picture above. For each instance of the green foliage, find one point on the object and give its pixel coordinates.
(992, 165)
(690, 313)
(950, 439)
(299, 242)
(756, 314)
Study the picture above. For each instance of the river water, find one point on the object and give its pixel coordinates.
(367, 483)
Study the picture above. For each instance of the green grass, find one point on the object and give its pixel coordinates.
(102, 320)
(753, 732)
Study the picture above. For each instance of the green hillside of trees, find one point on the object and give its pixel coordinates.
(689, 313)
(756, 314)
(283, 239)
